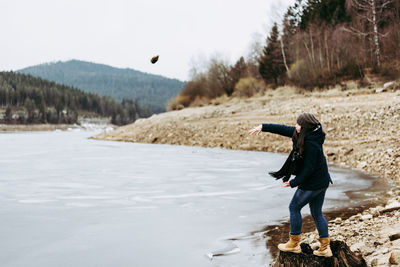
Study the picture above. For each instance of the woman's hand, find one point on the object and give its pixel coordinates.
(256, 130)
(285, 184)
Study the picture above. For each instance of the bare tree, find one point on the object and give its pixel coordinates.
(254, 52)
(372, 12)
(218, 77)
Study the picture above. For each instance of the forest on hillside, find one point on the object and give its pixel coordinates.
(317, 44)
(26, 99)
(152, 91)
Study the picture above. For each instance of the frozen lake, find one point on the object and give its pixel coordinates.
(66, 200)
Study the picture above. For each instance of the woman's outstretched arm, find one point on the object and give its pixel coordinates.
(274, 128)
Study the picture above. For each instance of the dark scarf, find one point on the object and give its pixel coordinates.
(291, 166)
(294, 162)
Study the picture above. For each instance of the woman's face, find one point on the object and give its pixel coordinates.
(298, 128)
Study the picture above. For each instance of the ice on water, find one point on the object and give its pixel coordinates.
(131, 204)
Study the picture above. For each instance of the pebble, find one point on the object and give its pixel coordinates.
(374, 262)
(366, 217)
(357, 246)
(394, 237)
(394, 257)
(388, 84)
(337, 220)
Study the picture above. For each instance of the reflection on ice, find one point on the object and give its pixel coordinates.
(87, 197)
(34, 201)
(202, 194)
(140, 199)
(71, 185)
(142, 207)
(262, 187)
(228, 250)
(79, 204)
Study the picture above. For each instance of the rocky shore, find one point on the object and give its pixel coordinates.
(374, 233)
(362, 127)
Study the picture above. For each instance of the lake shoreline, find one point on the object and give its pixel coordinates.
(36, 127)
(86, 123)
(362, 134)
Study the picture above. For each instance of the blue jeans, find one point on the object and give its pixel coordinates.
(315, 199)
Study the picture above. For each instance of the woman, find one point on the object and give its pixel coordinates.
(312, 178)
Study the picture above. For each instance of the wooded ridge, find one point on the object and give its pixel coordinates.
(27, 99)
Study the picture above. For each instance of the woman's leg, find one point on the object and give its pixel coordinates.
(316, 211)
(299, 200)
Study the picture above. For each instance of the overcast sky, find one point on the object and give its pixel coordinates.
(127, 33)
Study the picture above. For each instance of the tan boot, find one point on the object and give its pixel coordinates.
(293, 245)
(324, 249)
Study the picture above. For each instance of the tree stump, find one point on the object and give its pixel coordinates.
(342, 257)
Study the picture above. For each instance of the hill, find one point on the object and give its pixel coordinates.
(151, 90)
(27, 99)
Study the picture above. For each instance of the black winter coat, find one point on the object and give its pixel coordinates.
(314, 174)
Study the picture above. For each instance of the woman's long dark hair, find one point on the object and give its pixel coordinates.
(308, 123)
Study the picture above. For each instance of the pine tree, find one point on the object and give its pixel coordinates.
(239, 70)
(289, 30)
(271, 62)
(329, 11)
(8, 114)
(30, 107)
